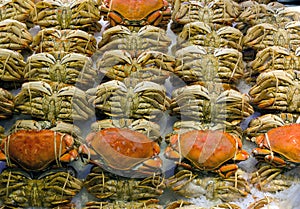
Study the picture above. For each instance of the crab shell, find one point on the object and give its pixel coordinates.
(34, 150)
(136, 12)
(207, 149)
(284, 140)
(122, 151)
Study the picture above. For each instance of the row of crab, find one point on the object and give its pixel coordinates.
(128, 166)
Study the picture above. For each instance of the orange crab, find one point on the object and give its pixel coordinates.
(280, 146)
(124, 152)
(207, 150)
(136, 12)
(34, 150)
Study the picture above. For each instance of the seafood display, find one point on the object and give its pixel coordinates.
(149, 104)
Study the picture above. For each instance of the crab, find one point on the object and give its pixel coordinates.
(107, 186)
(11, 68)
(280, 146)
(190, 185)
(149, 65)
(217, 13)
(137, 13)
(78, 14)
(7, 104)
(268, 178)
(14, 35)
(147, 204)
(263, 35)
(264, 202)
(72, 68)
(19, 189)
(207, 150)
(273, 58)
(54, 40)
(148, 128)
(202, 34)
(53, 102)
(196, 102)
(277, 90)
(16, 10)
(139, 154)
(264, 123)
(188, 205)
(147, 38)
(194, 64)
(35, 150)
(130, 98)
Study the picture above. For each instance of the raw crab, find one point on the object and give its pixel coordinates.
(11, 68)
(53, 40)
(14, 35)
(263, 203)
(270, 179)
(201, 34)
(53, 102)
(195, 102)
(194, 64)
(263, 35)
(147, 38)
(148, 128)
(147, 204)
(7, 104)
(72, 68)
(264, 123)
(149, 65)
(277, 90)
(104, 185)
(273, 58)
(124, 152)
(18, 189)
(35, 150)
(16, 10)
(217, 12)
(137, 12)
(190, 185)
(209, 150)
(61, 14)
(279, 146)
(130, 98)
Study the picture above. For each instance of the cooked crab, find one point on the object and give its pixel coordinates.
(149, 65)
(35, 150)
(16, 10)
(194, 64)
(11, 67)
(104, 185)
(277, 90)
(202, 34)
(147, 204)
(208, 150)
(60, 14)
(14, 35)
(130, 98)
(72, 68)
(7, 104)
(190, 185)
(196, 102)
(147, 38)
(53, 102)
(19, 190)
(263, 35)
(217, 12)
(53, 40)
(124, 152)
(279, 146)
(137, 13)
(149, 128)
